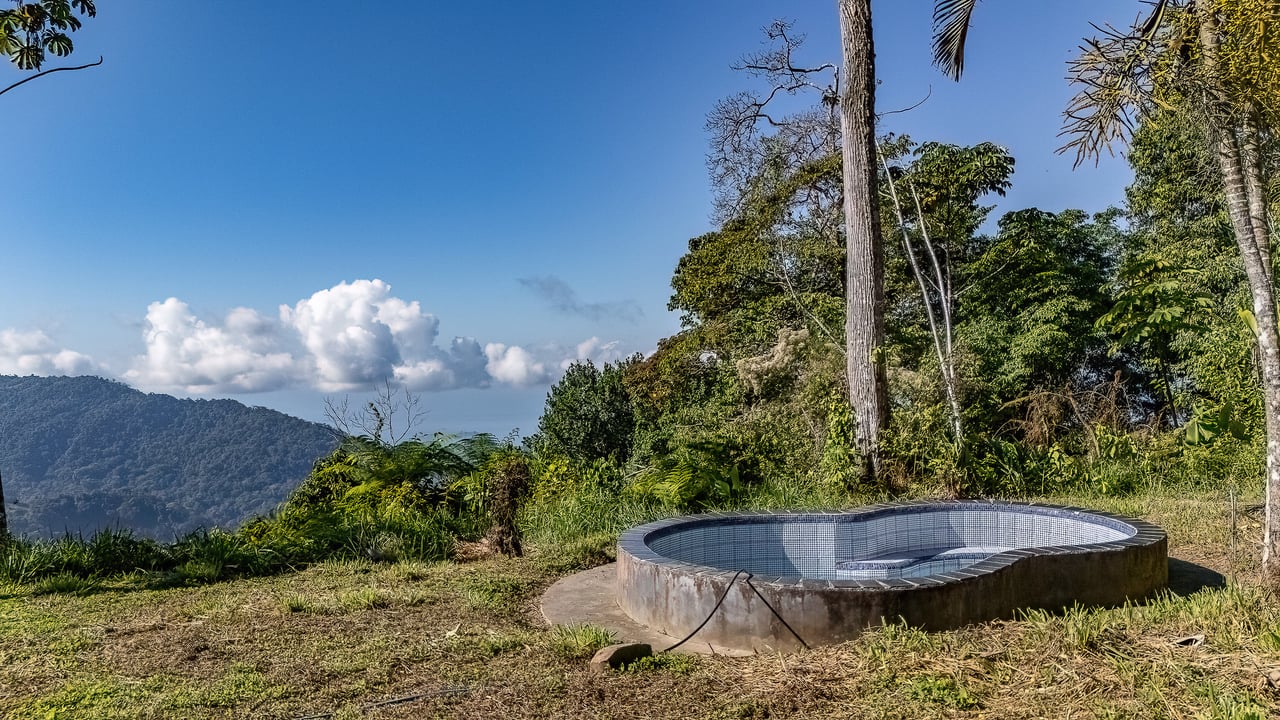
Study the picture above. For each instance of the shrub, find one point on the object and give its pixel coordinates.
(65, 583)
(206, 556)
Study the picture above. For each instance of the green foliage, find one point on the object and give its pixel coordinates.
(698, 475)
(941, 691)
(676, 664)
(412, 473)
(65, 583)
(775, 247)
(839, 465)
(1028, 316)
(105, 554)
(31, 28)
(557, 476)
(1207, 424)
(207, 556)
(588, 414)
(582, 553)
(592, 512)
(1153, 302)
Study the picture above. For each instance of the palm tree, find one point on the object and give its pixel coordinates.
(1122, 74)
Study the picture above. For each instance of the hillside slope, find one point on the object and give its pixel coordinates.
(78, 453)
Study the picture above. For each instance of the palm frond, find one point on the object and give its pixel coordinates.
(950, 30)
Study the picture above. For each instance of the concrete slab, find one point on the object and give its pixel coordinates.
(588, 598)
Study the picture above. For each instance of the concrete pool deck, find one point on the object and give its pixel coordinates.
(589, 598)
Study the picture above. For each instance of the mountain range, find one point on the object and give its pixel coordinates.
(81, 453)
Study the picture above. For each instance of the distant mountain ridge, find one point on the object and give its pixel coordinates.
(80, 453)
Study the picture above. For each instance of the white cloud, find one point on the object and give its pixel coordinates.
(462, 366)
(35, 353)
(358, 334)
(515, 366)
(184, 352)
(599, 352)
(350, 337)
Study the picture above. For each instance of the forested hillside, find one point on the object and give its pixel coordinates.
(78, 453)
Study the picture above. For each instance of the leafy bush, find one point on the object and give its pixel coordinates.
(588, 414)
(65, 583)
(592, 511)
(107, 553)
(206, 556)
(697, 475)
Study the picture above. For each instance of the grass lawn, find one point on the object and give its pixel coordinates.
(358, 640)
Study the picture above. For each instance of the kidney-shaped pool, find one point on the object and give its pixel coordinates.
(780, 580)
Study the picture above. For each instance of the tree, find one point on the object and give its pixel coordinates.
(32, 29)
(944, 184)
(588, 414)
(1210, 59)
(853, 94)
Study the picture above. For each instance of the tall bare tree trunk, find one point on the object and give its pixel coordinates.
(864, 264)
(1240, 169)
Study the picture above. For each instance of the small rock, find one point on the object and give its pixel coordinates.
(615, 656)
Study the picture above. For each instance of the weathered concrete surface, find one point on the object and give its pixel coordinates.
(589, 597)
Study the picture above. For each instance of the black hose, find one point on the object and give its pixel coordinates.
(720, 601)
(713, 610)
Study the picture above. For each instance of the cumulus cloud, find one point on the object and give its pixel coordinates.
(597, 351)
(562, 298)
(359, 334)
(350, 337)
(35, 353)
(515, 365)
(462, 366)
(244, 354)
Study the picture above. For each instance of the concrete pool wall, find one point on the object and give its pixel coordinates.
(783, 580)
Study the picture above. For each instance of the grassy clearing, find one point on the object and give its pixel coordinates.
(343, 639)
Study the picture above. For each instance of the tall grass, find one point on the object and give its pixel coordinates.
(106, 553)
(592, 510)
(263, 547)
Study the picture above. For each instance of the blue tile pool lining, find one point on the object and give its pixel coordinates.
(904, 541)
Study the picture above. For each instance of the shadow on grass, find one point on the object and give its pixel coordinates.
(1186, 577)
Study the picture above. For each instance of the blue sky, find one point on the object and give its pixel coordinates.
(282, 201)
